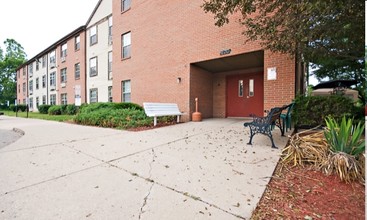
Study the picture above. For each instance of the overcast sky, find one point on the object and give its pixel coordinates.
(37, 24)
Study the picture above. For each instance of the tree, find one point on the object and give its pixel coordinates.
(327, 33)
(14, 56)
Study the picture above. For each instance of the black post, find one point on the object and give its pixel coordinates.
(27, 110)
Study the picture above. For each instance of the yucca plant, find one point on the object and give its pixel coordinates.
(346, 145)
(344, 137)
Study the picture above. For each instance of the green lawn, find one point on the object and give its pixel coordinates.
(40, 116)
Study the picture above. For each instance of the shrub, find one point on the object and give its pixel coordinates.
(85, 108)
(71, 109)
(43, 109)
(21, 107)
(63, 109)
(312, 111)
(347, 147)
(115, 118)
(55, 110)
(345, 137)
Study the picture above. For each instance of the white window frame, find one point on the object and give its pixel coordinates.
(93, 35)
(109, 65)
(63, 75)
(93, 66)
(93, 98)
(126, 91)
(77, 71)
(126, 45)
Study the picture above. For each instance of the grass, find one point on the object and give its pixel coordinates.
(37, 115)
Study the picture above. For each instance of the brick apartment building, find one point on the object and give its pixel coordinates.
(170, 51)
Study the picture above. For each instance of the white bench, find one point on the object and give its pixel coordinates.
(161, 109)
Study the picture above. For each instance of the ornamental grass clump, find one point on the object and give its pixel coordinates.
(338, 149)
(307, 147)
(346, 149)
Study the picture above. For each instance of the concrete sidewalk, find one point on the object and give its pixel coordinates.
(194, 170)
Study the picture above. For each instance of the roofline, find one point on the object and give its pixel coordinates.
(94, 11)
(71, 34)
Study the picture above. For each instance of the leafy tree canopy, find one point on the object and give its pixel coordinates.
(13, 57)
(329, 34)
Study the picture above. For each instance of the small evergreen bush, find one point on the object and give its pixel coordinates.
(71, 109)
(43, 109)
(311, 111)
(55, 110)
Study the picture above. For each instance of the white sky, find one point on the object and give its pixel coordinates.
(37, 24)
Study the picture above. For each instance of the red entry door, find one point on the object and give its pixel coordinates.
(245, 95)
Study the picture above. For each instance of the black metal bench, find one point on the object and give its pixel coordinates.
(264, 125)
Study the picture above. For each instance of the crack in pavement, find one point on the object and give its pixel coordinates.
(57, 143)
(151, 187)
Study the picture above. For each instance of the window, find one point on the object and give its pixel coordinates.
(44, 58)
(53, 99)
(52, 59)
(44, 100)
(30, 69)
(24, 88)
(44, 81)
(110, 93)
(37, 83)
(77, 70)
(31, 103)
(93, 67)
(93, 95)
(31, 86)
(37, 101)
(18, 88)
(251, 88)
(53, 79)
(64, 99)
(63, 75)
(77, 42)
(125, 5)
(126, 42)
(63, 51)
(110, 65)
(240, 88)
(24, 70)
(110, 30)
(93, 35)
(126, 91)
(37, 64)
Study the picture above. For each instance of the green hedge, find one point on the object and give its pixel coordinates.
(85, 108)
(55, 110)
(43, 109)
(114, 118)
(21, 107)
(311, 111)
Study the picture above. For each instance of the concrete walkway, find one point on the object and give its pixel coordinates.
(194, 170)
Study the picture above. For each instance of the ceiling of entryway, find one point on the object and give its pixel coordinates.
(236, 62)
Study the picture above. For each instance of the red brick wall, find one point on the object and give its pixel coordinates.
(73, 57)
(201, 87)
(166, 37)
(20, 80)
(282, 90)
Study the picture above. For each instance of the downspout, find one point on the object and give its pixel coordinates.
(85, 65)
(47, 79)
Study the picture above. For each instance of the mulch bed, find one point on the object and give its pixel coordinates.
(302, 193)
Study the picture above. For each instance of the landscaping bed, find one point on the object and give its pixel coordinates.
(297, 192)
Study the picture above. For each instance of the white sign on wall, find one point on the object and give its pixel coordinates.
(272, 73)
